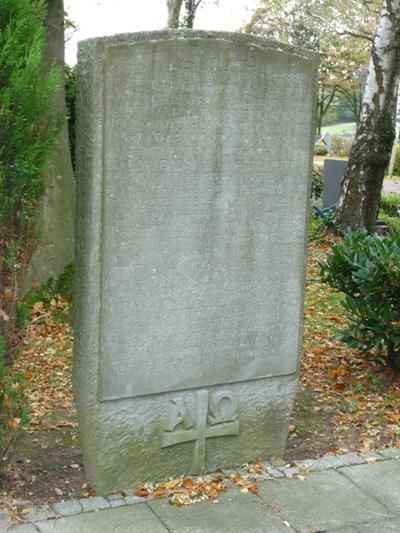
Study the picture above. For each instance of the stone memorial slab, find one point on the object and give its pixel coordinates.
(333, 174)
(190, 273)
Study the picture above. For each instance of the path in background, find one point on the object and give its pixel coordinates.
(391, 186)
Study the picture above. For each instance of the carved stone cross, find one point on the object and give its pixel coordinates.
(216, 424)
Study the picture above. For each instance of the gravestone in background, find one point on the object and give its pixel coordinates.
(324, 141)
(55, 249)
(55, 246)
(191, 232)
(328, 140)
(333, 173)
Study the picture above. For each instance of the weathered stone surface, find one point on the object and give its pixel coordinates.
(24, 528)
(55, 249)
(190, 270)
(271, 474)
(132, 519)
(5, 520)
(94, 503)
(67, 508)
(117, 503)
(349, 529)
(131, 500)
(234, 511)
(278, 462)
(40, 513)
(380, 480)
(390, 453)
(387, 526)
(322, 501)
(370, 457)
(336, 461)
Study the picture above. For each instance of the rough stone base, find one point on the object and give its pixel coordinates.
(123, 431)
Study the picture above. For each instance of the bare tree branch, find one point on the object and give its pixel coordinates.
(357, 35)
(315, 16)
(191, 7)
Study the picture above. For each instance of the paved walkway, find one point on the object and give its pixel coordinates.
(391, 186)
(347, 494)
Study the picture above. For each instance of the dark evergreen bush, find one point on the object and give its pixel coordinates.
(366, 269)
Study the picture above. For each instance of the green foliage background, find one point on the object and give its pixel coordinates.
(389, 210)
(396, 168)
(70, 97)
(29, 124)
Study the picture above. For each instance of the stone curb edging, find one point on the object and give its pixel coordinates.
(273, 470)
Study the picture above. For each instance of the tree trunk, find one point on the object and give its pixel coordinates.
(370, 153)
(320, 107)
(394, 150)
(174, 11)
(396, 140)
(55, 249)
(325, 99)
(191, 8)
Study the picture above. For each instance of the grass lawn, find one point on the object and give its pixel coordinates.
(339, 129)
(346, 401)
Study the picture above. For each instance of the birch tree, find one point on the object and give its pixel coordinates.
(174, 12)
(175, 9)
(370, 152)
(397, 136)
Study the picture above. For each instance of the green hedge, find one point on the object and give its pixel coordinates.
(389, 210)
(29, 126)
(390, 204)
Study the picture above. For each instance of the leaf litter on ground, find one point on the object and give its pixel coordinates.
(189, 490)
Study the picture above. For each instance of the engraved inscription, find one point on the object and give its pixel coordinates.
(194, 273)
(221, 422)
